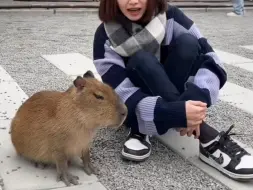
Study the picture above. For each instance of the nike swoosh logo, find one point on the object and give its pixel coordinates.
(219, 160)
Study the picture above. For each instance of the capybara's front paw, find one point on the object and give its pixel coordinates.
(89, 169)
(68, 178)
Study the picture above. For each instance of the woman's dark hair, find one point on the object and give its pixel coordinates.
(109, 9)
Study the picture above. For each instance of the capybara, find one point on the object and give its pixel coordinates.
(52, 127)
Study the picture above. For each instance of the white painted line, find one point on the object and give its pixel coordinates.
(4, 76)
(232, 59)
(19, 174)
(72, 64)
(250, 47)
(11, 96)
(236, 60)
(184, 146)
(88, 186)
(246, 66)
(237, 96)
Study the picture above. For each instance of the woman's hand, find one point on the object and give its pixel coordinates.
(195, 112)
(190, 130)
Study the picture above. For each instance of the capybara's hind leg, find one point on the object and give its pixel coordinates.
(87, 166)
(62, 171)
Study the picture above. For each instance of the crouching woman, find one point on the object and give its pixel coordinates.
(166, 72)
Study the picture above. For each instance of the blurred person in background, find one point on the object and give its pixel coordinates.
(238, 6)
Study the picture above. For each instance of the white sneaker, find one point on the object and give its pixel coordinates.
(228, 157)
(137, 147)
(233, 14)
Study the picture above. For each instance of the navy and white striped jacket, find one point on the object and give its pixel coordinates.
(152, 115)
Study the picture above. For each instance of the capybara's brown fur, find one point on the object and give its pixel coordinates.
(53, 127)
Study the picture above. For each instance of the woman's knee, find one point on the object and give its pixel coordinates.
(142, 61)
(187, 47)
(139, 68)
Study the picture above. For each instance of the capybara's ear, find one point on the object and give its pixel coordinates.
(88, 74)
(79, 82)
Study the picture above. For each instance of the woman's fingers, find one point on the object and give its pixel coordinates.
(183, 132)
(197, 132)
(191, 131)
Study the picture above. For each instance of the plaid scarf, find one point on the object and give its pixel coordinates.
(127, 38)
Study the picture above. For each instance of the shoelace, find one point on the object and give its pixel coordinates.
(140, 137)
(233, 148)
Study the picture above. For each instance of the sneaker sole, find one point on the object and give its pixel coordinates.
(135, 158)
(224, 171)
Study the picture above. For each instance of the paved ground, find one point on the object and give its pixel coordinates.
(65, 3)
(24, 36)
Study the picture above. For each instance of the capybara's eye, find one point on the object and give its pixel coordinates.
(98, 96)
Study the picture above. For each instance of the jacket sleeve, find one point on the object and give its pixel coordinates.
(211, 76)
(151, 114)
